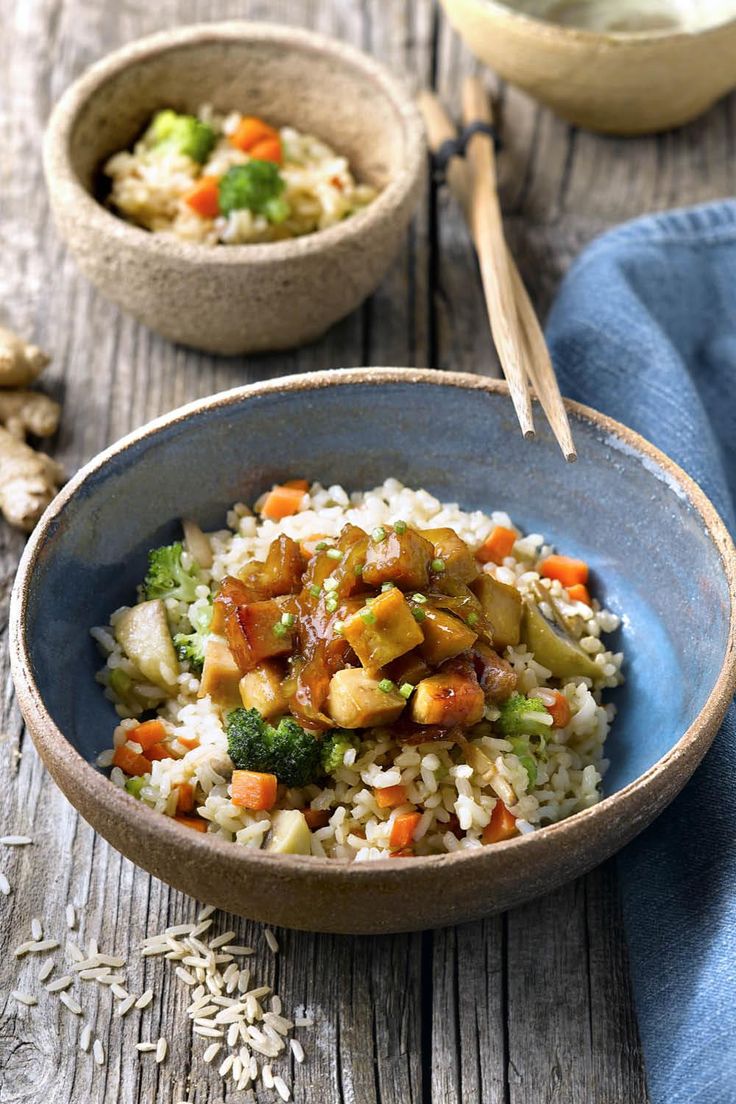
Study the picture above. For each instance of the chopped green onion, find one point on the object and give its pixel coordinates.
(338, 628)
(472, 618)
(119, 682)
(378, 534)
(438, 566)
(315, 591)
(358, 569)
(335, 553)
(279, 629)
(406, 689)
(418, 613)
(368, 616)
(400, 527)
(387, 686)
(420, 599)
(330, 584)
(320, 546)
(288, 619)
(387, 586)
(331, 603)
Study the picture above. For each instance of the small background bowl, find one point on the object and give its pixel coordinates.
(624, 506)
(615, 83)
(237, 298)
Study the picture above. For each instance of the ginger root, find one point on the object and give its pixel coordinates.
(24, 412)
(28, 479)
(20, 362)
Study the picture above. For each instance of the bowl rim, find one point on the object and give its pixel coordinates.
(588, 37)
(71, 193)
(146, 823)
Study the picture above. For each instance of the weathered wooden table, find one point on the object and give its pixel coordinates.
(526, 1008)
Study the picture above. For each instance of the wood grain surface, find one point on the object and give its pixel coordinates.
(533, 1007)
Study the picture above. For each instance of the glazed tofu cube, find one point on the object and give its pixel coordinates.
(143, 634)
(448, 698)
(408, 668)
(502, 606)
(458, 559)
(264, 632)
(497, 677)
(261, 689)
(382, 631)
(280, 574)
(445, 636)
(220, 675)
(400, 558)
(355, 700)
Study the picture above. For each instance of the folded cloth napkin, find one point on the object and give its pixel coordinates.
(644, 329)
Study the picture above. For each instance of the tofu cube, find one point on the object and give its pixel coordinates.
(355, 700)
(383, 631)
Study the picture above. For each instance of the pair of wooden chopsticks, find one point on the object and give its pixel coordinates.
(516, 331)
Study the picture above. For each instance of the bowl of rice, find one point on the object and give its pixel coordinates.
(332, 681)
(227, 186)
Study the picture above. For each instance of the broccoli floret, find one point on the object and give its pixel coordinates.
(522, 750)
(515, 721)
(166, 576)
(190, 647)
(286, 751)
(334, 746)
(181, 134)
(256, 185)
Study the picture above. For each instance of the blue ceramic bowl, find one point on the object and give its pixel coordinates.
(624, 507)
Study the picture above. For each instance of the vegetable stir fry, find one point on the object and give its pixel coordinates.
(437, 689)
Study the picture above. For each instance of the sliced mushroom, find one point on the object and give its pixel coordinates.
(554, 648)
(143, 634)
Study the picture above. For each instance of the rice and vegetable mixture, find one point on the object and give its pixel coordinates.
(231, 179)
(358, 676)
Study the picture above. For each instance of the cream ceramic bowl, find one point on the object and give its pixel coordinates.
(612, 82)
(237, 298)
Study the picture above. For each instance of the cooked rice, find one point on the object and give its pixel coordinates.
(439, 782)
(148, 187)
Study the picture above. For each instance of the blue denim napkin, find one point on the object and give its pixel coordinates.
(644, 329)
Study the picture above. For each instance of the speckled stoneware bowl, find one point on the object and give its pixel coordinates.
(613, 82)
(624, 506)
(237, 298)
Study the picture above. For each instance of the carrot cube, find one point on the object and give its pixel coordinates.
(501, 826)
(403, 829)
(253, 790)
(132, 762)
(390, 796)
(204, 197)
(497, 546)
(281, 502)
(568, 570)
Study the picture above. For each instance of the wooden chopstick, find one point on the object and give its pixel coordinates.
(487, 229)
(536, 357)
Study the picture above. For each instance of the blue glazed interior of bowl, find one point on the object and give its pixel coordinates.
(652, 559)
